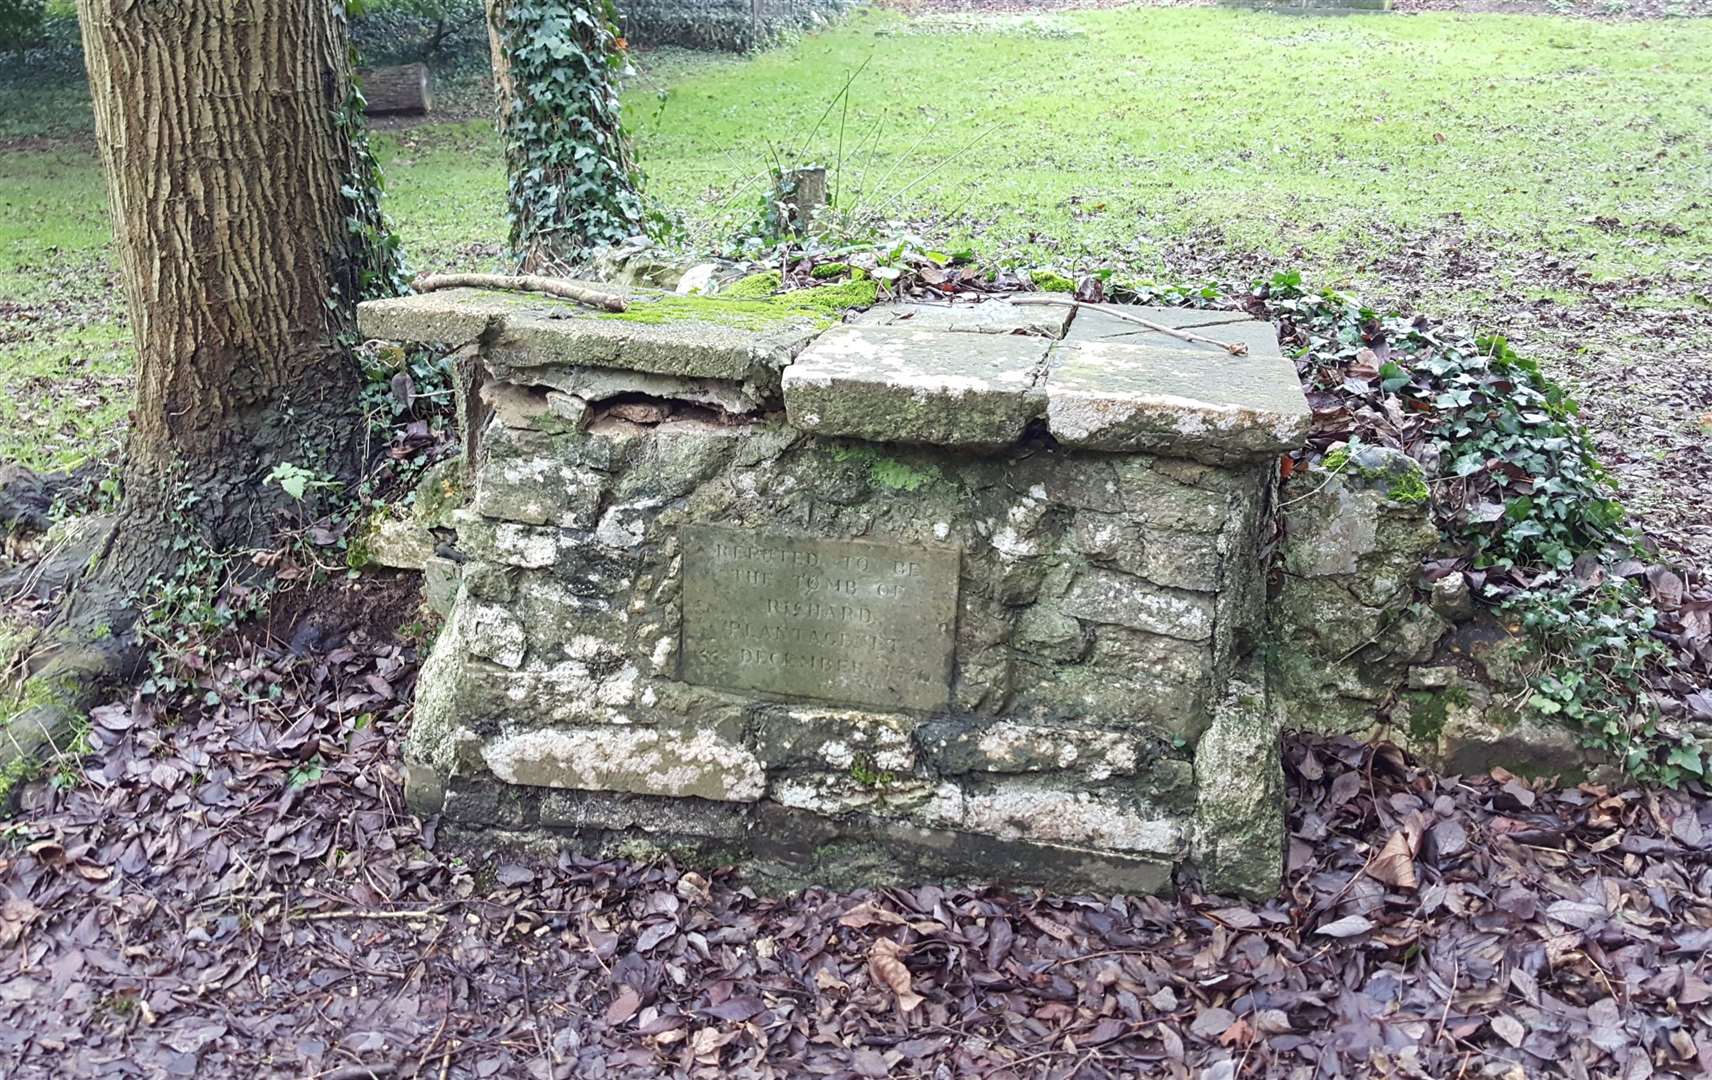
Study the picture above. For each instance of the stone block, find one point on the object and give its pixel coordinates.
(1107, 596)
(424, 790)
(595, 384)
(608, 812)
(398, 543)
(956, 746)
(917, 386)
(984, 317)
(1039, 810)
(844, 793)
(1239, 829)
(440, 577)
(839, 740)
(532, 479)
(1177, 398)
(661, 334)
(482, 801)
(645, 761)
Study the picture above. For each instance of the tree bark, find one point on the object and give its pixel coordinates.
(399, 90)
(246, 227)
(225, 140)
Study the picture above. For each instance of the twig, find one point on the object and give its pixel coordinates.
(1455, 977)
(437, 911)
(360, 1072)
(565, 290)
(1235, 348)
(433, 1043)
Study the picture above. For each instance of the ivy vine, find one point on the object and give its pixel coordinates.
(572, 185)
(377, 261)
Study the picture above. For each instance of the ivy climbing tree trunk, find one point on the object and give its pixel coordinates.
(246, 227)
(245, 217)
(572, 185)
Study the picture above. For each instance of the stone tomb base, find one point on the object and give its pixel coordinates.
(942, 593)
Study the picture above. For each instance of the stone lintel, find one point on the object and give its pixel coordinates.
(895, 384)
(1177, 398)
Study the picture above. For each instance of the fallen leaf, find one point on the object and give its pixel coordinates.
(885, 962)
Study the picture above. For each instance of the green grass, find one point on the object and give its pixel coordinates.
(1111, 138)
(1277, 131)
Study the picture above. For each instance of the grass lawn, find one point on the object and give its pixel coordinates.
(1550, 176)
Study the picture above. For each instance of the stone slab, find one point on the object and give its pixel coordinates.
(985, 317)
(1093, 324)
(1178, 398)
(662, 333)
(684, 347)
(450, 316)
(855, 621)
(892, 384)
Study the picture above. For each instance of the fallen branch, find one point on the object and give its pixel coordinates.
(565, 290)
(1235, 348)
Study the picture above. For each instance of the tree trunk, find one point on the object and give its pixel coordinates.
(226, 134)
(396, 90)
(572, 186)
(247, 227)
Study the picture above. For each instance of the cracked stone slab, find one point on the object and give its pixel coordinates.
(662, 333)
(896, 384)
(1093, 324)
(1154, 393)
(986, 317)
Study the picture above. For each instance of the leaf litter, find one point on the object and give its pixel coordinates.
(205, 903)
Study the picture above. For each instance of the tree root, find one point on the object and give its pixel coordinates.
(53, 675)
(551, 286)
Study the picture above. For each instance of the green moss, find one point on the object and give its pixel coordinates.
(440, 491)
(865, 772)
(835, 298)
(1051, 281)
(821, 306)
(896, 476)
(15, 772)
(838, 269)
(887, 472)
(1337, 460)
(755, 286)
(1411, 489)
(1427, 714)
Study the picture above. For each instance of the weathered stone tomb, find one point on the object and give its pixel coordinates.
(966, 592)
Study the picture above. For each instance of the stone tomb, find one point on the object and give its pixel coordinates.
(967, 592)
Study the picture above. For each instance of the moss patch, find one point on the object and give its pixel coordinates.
(1411, 489)
(755, 286)
(1051, 281)
(887, 472)
(828, 270)
(821, 306)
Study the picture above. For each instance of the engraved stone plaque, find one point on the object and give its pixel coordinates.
(856, 621)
